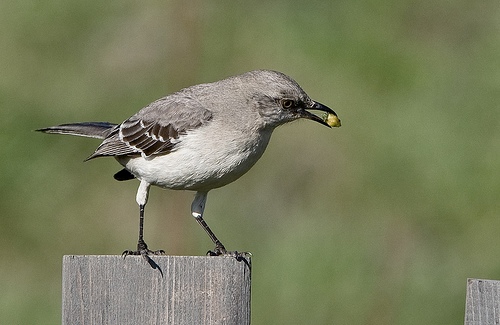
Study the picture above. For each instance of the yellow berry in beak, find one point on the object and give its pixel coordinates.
(331, 119)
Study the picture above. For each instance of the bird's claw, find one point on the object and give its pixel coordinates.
(143, 250)
(220, 250)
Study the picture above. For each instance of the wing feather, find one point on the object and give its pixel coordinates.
(155, 129)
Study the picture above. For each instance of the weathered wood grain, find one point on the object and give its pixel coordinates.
(109, 289)
(482, 304)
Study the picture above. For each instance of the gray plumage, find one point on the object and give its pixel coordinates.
(201, 137)
(98, 130)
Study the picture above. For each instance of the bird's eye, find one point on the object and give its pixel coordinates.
(287, 103)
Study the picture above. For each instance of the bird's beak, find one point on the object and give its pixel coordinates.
(329, 119)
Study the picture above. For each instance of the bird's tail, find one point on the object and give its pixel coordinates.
(99, 130)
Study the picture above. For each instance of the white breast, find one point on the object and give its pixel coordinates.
(202, 160)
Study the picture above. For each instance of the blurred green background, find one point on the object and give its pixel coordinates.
(378, 222)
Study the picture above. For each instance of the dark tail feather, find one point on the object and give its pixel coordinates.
(123, 175)
(99, 130)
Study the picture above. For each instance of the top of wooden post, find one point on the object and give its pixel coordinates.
(110, 289)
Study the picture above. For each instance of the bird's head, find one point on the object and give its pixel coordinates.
(279, 100)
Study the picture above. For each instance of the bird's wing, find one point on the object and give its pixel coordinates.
(155, 129)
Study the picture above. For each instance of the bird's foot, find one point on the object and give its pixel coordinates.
(220, 250)
(143, 250)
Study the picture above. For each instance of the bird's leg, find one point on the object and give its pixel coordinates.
(197, 208)
(219, 248)
(142, 247)
(141, 244)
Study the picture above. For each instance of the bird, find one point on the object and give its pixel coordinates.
(200, 138)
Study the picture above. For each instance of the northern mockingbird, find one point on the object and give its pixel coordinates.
(201, 137)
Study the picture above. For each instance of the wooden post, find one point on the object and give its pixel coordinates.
(110, 289)
(482, 304)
